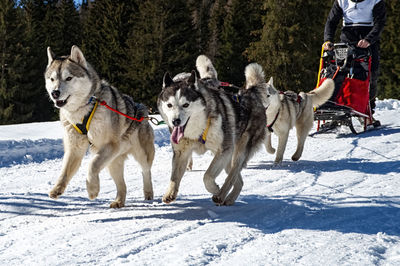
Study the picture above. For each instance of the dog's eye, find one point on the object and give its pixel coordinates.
(169, 105)
(52, 79)
(268, 96)
(186, 105)
(68, 79)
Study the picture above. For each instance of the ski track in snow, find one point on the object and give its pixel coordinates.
(338, 205)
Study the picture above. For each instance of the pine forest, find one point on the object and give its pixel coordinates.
(132, 43)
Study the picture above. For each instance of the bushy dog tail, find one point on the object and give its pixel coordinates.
(321, 94)
(254, 75)
(205, 67)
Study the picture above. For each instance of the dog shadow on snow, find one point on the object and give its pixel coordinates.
(350, 214)
(39, 204)
(353, 214)
(275, 214)
(317, 167)
(367, 166)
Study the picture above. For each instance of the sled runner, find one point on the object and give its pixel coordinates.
(350, 68)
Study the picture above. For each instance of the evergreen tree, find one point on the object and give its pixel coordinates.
(217, 16)
(53, 23)
(35, 60)
(60, 27)
(161, 40)
(133, 43)
(200, 11)
(15, 105)
(290, 41)
(223, 32)
(106, 25)
(68, 25)
(241, 19)
(389, 81)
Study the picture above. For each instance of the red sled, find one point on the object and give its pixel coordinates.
(350, 68)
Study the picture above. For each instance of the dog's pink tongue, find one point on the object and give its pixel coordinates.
(177, 134)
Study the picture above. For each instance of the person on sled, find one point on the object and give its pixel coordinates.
(363, 23)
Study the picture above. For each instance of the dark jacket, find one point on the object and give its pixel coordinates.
(356, 33)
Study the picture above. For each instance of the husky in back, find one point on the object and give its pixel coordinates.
(75, 88)
(284, 110)
(203, 118)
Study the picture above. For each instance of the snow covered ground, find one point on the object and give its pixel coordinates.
(338, 205)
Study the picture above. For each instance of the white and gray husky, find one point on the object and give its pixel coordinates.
(203, 118)
(75, 88)
(284, 110)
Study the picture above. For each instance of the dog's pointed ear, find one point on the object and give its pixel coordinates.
(193, 77)
(271, 89)
(167, 80)
(77, 56)
(50, 56)
(271, 81)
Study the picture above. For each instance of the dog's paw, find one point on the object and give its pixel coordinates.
(93, 196)
(56, 192)
(228, 202)
(93, 190)
(295, 158)
(217, 200)
(169, 197)
(148, 195)
(278, 162)
(271, 150)
(117, 204)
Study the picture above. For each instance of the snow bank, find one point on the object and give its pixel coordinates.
(37, 142)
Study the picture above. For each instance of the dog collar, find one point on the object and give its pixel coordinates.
(83, 127)
(203, 136)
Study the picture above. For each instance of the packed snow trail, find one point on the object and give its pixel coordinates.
(338, 205)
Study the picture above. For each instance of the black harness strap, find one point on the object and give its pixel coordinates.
(272, 124)
(291, 96)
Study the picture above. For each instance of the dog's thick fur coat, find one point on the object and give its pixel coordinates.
(286, 110)
(72, 84)
(192, 106)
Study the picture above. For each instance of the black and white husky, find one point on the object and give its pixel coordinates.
(203, 118)
(73, 85)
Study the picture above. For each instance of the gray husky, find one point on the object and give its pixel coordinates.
(284, 110)
(203, 118)
(75, 88)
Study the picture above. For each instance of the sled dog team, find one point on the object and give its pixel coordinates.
(200, 116)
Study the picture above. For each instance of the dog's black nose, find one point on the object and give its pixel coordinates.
(176, 122)
(55, 94)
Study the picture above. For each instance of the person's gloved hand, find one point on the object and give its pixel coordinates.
(363, 43)
(328, 46)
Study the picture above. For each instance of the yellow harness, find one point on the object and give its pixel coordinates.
(203, 136)
(83, 127)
